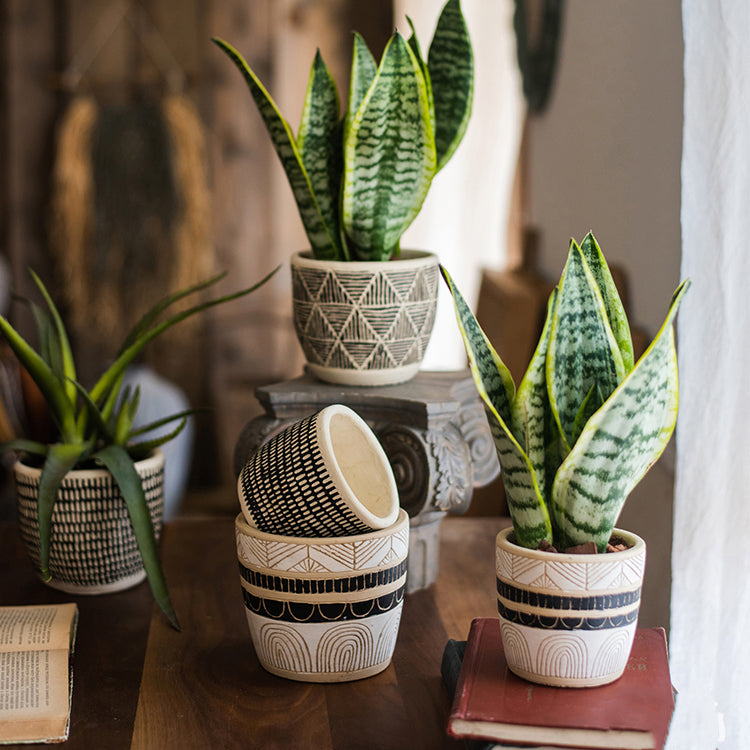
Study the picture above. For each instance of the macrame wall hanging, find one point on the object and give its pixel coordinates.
(130, 204)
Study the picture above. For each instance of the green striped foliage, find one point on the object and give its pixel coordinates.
(359, 182)
(586, 422)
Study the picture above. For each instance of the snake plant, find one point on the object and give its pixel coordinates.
(586, 422)
(359, 181)
(96, 426)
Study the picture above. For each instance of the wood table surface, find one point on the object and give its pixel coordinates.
(137, 683)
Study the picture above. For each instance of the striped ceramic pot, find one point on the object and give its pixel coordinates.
(364, 323)
(323, 609)
(568, 620)
(93, 549)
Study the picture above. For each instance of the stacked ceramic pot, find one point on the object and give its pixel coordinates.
(322, 546)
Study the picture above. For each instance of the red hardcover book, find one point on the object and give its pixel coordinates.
(632, 713)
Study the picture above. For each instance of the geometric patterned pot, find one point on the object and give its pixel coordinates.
(568, 620)
(93, 549)
(323, 609)
(364, 323)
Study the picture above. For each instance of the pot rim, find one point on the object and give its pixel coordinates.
(637, 548)
(244, 528)
(153, 461)
(407, 258)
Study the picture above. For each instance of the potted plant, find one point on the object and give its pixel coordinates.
(584, 426)
(90, 502)
(359, 182)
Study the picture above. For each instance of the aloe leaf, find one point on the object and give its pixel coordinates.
(23, 445)
(493, 380)
(142, 449)
(323, 238)
(389, 155)
(163, 421)
(61, 458)
(120, 465)
(319, 141)
(362, 75)
(532, 420)
(113, 374)
(61, 408)
(582, 349)
(49, 346)
(451, 64)
(90, 411)
(62, 342)
(620, 442)
(618, 320)
(152, 315)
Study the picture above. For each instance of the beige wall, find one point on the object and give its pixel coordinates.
(606, 154)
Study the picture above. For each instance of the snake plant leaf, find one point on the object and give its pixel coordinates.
(362, 75)
(62, 342)
(582, 348)
(493, 380)
(115, 458)
(323, 238)
(319, 141)
(109, 379)
(413, 42)
(451, 64)
(389, 155)
(61, 458)
(618, 320)
(620, 442)
(532, 420)
(61, 408)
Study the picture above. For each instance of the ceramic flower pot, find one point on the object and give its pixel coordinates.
(364, 323)
(324, 475)
(568, 620)
(93, 549)
(323, 609)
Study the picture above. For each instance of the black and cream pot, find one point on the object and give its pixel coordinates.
(93, 549)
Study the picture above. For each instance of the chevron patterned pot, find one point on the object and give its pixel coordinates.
(323, 609)
(364, 323)
(568, 620)
(93, 549)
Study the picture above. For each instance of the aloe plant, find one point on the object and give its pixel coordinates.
(359, 181)
(586, 422)
(96, 425)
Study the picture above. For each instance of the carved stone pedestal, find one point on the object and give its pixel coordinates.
(433, 430)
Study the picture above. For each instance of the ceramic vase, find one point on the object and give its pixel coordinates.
(323, 609)
(93, 549)
(364, 323)
(324, 475)
(568, 620)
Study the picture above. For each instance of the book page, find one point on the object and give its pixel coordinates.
(35, 674)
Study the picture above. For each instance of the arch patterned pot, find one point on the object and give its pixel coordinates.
(323, 609)
(364, 323)
(93, 549)
(568, 620)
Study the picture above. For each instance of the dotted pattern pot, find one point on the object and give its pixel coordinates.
(324, 609)
(93, 549)
(364, 323)
(568, 620)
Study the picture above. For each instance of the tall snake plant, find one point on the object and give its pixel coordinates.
(359, 181)
(96, 426)
(586, 422)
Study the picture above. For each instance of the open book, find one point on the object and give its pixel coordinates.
(35, 672)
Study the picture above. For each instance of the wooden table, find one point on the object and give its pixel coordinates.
(137, 683)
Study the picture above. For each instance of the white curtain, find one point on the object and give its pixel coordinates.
(464, 219)
(710, 638)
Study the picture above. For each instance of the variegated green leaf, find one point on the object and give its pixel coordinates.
(417, 50)
(451, 64)
(362, 75)
(532, 420)
(120, 465)
(319, 142)
(582, 349)
(619, 443)
(389, 155)
(493, 380)
(324, 239)
(618, 320)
